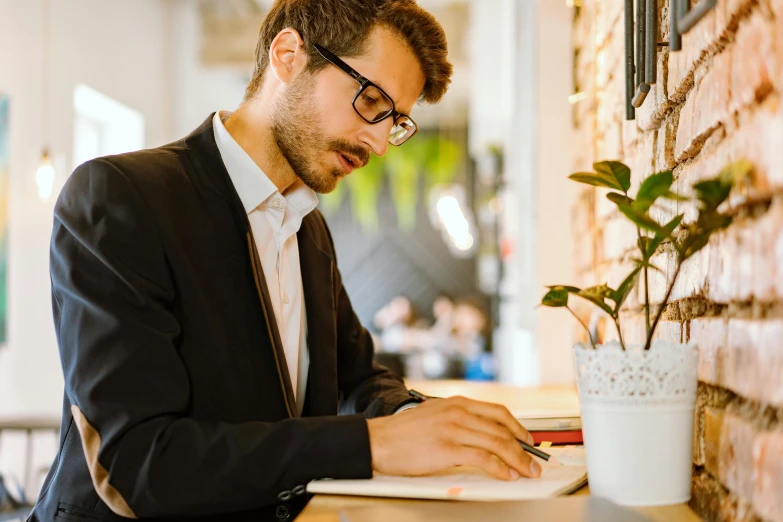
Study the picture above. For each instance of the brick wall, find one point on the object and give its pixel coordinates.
(717, 100)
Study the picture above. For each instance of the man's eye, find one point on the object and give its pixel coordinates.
(370, 100)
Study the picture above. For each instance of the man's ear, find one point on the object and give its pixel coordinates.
(287, 55)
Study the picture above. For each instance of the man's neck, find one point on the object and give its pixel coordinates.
(251, 129)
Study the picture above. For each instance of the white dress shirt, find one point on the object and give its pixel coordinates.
(275, 219)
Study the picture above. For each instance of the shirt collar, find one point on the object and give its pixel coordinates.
(251, 183)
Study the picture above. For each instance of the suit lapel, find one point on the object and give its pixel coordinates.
(317, 282)
(210, 171)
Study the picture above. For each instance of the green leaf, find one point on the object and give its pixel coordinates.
(711, 193)
(675, 197)
(557, 297)
(404, 167)
(619, 199)
(595, 179)
(597, 295)
(662, 235)
(735, 172)
(641, 263)
(616, 170)
(698, 234)
(365, 187)
(642, 243)
(653, 188)
(569, 289)
(622, 292)
(639, 217)
(692, 245)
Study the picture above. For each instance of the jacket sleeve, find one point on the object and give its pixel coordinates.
(129, 390)
(365, 386)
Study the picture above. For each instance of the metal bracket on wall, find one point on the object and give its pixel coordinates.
(685, 19)
(645, 67)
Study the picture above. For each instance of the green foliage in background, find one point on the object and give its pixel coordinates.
(686, 239)
(434, 158)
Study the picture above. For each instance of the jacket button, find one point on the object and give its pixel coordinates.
(285, 496)
(298, 490)
(282, 512)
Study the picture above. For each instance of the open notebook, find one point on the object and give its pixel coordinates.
(464, 483)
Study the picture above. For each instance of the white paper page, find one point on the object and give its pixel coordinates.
(463, 483)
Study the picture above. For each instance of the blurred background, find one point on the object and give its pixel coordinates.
(444, 244)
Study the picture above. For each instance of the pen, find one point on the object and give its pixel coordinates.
(527, 447)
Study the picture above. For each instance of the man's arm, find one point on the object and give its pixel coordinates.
(129, 389)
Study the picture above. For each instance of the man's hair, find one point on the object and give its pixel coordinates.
(343, 27)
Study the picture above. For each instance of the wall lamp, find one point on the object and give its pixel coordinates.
(641, 56)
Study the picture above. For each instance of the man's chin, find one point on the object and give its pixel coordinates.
(326, 184)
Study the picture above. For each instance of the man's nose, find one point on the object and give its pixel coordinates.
(376, 136)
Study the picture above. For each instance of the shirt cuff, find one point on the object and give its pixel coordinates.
(406, 407)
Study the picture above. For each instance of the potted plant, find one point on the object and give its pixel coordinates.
(637, 401)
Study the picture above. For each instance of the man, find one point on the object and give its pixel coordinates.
(207, 342)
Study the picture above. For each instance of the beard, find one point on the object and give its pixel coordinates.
(295, 129)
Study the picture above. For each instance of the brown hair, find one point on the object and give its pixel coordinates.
(343, 26)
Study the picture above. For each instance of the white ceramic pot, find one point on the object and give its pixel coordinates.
(637, 421)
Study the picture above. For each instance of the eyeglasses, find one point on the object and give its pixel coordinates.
(372, 103)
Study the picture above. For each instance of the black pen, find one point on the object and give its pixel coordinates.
(527, 447)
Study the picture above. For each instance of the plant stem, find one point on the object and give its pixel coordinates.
(619, 332)
(663, 304)
(592, 342)
(646, 287)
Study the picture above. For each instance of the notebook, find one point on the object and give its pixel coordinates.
(466, 483)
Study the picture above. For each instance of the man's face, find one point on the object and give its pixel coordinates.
(317, 129)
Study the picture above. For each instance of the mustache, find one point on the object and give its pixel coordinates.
(348, 148)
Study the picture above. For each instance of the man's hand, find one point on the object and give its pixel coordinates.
(441, 433)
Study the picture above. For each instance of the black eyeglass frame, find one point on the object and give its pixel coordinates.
(364, 83)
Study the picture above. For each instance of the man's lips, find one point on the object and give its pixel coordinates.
(349, 161)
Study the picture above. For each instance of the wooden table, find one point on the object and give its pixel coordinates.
(325, 508)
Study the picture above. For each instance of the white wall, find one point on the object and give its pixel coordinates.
(554, 192)
(521, 82)
(198, 91)
(119, 48)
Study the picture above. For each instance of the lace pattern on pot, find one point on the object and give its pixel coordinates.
(666, 374)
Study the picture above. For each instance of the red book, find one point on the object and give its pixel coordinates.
(558, 437)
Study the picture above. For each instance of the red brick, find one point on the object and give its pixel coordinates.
(768, 255)
(651, 113)
(704, 110)
(711, 337)
(758, 139)
(658, 280)
(753, 362)
(619, 236)
(768, 466)
(742, 284)
(713, 422)
(735, 455)
(692, 280)
(630, 134)
(775, 58)
(723, 266)
(750, 77)
(609, 145)
(695, 45)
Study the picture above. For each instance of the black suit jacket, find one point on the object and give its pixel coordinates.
(178, 403)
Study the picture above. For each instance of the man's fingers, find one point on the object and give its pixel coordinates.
(479, 458)
(503, 446)
(497, 413)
